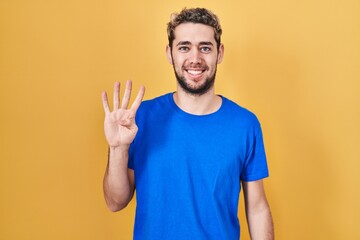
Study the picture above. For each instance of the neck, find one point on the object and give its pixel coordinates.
(203, 104)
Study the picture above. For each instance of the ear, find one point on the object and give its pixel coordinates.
(168, 54)
(220, 54)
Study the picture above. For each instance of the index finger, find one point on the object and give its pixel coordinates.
(138, 99)
(105, 102)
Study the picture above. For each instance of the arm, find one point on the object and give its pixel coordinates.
(120, 130)
(258, 211)
(119, 183)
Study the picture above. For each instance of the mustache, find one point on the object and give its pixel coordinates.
(195, 66)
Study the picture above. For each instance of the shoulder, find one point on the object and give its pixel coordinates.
(239, 113)
(154, 103)
(153, 107)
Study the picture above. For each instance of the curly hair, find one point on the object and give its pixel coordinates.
(194, 15)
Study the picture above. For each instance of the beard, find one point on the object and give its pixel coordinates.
(196, 91)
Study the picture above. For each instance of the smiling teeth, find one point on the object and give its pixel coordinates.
(194, 72)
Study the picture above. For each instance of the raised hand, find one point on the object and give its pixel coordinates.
(119, 125)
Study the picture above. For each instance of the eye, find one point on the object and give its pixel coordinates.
(205, 49)
(183, 49)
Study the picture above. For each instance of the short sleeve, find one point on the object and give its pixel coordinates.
(131, 156)
(255, 167)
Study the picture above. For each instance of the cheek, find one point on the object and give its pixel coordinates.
(213, 62)
(177, 66)
(178, 63)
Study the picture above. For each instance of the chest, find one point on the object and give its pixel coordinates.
(200, 153)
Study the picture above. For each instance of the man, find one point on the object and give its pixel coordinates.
(188, 152)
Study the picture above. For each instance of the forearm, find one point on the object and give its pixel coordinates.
(118, 185)
(260, 223)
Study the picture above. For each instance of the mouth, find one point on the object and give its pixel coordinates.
(195, 73)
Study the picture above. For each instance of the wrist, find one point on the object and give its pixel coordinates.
(118, 155)
(119, 148)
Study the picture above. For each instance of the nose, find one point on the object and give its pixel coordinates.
(195, 56)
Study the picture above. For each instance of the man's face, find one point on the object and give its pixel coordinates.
(195, 56)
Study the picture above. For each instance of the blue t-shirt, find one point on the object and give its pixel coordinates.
(188, 169)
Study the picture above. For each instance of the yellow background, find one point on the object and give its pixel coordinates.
(294, 63)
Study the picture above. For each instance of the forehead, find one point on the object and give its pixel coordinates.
(194, 32)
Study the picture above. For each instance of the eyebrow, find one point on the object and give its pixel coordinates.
(183, 43)
(206, 43)
(186, 43)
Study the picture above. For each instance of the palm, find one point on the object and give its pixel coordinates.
(119, 125)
